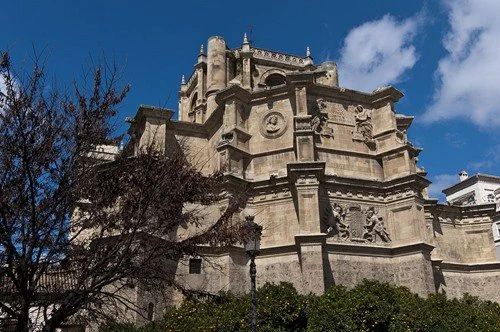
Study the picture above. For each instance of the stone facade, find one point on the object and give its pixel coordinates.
(477, 190)
(332, 177)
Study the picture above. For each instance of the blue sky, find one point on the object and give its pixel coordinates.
(443, 55)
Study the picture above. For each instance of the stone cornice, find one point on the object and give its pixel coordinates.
(237, 149)
(404, 121)
(262, 96)
(200, 129)
(472, 218)
(233, 92)
(406, 147)
(401, 188)
(376, 98)
(383, 185)
(383, 95)
(414, 150)
(379, 251)
(197, 129)
(469, 210)
(152, 112)
(289, 60)
(467, 268)
(349, 249)
(300, 78)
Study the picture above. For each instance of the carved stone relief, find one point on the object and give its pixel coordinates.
(223, 161)
(355, 224)
(226, 138)
(374, 227)
(335, 112)
(364, 129)
(302, 123)
(320, 123)
(335, 221)
(273, 125)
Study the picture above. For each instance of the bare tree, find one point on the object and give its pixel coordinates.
(74, 234)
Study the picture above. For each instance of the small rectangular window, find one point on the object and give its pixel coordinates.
(195, 266)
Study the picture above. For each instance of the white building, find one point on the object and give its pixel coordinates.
(475, 190)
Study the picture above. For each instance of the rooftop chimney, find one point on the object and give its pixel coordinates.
(463, 175)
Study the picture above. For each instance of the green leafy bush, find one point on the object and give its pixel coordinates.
(370, 306)
(281, 308)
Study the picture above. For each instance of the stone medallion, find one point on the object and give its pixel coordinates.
(273, 125)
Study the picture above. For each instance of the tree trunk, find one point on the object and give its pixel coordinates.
(23, 321)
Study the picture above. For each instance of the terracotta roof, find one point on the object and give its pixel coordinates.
(55, 281)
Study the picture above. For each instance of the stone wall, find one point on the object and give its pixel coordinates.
(279, 221)
(413, 271)
(474, 280)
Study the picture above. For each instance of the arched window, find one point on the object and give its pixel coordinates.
(275, 80)
(192, 116)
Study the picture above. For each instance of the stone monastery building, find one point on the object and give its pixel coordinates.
(332, 178)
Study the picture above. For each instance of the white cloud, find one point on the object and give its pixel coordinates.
(469, 75)
(490, 159)
(480, 165)
(378, 53)
(440, 182)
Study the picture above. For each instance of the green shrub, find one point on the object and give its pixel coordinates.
(370, 306)
(281, 308)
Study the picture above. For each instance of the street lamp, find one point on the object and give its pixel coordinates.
(252, 248)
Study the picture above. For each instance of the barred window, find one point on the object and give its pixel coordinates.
(195, 266)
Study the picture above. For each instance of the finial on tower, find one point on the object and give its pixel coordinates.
(245, 38)
(308, 52)
(202, 51)
(183, 80)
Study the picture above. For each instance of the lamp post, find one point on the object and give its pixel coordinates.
(252, 248)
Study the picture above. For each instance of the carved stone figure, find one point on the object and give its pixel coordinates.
(223, 162)
(374, 226)
(337, 222)
(364, 128)
(272, 124)
(226, 138)
(319, 123)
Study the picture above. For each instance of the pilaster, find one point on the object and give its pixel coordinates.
(311, 262)
(201, 68)
(306, 178)
(246, 58)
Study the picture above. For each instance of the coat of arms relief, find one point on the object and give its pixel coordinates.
(355, 224)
